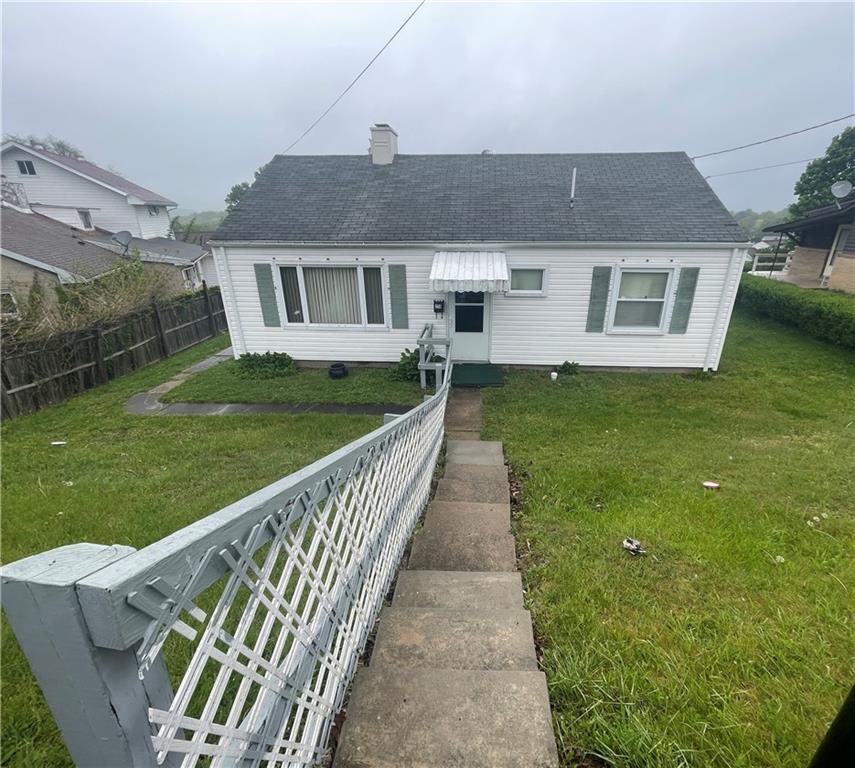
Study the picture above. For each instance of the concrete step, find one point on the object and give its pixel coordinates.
(459, 547)
(460, 590)
(474, 488)
(474, 452)
(488, 519)
(442, 638)
(460, 434)
(428, 718)
(478, 472)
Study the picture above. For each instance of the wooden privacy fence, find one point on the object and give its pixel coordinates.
(42, 372)
(259, 612)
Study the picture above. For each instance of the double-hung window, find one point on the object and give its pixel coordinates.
(640, 300)
(26, 168)
(528, 282)
(333, 295)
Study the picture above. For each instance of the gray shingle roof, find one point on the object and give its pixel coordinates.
(107, 177)
(639, 197)
(53, 243)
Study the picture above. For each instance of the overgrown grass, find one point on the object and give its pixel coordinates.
(223, 384)
(731, 642)
(129, 480)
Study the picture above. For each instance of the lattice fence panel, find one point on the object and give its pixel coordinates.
(272, 660)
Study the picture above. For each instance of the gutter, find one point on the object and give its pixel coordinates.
(482, 245)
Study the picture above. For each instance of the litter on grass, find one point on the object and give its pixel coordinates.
(633, 546)
(712, 485)
(58, 442)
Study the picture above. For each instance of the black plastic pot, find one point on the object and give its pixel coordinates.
(338, 371)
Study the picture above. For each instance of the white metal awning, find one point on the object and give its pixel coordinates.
(469, 271)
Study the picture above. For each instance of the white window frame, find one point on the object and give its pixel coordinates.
(543, 286)
(30, 168)
(153, 210)
(363, 309)
(667, 301)
(14, 313)
(81, 212)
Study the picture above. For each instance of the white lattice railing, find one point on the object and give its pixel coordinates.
(258, 612)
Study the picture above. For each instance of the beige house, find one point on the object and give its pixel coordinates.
(825, 255)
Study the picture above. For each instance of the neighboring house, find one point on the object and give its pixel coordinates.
(33, 245)
(80, 194)
(349, 257)
(825, 255)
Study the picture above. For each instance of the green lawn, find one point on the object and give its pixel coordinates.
(222, 384)
(130, 480)
(731, 642)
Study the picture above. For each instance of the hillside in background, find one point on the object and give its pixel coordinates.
(753, 222)
(196, 221)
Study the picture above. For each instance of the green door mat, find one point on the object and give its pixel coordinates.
(476, 375)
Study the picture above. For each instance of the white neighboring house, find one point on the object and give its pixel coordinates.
(610, 260)
(83, 195)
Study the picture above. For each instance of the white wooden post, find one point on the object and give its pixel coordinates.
(95, 694)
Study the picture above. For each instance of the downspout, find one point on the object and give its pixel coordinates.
(724, 311)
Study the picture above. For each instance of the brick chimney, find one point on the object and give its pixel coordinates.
(384, 144)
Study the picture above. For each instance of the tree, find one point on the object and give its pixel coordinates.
(813, 189)
(239, 190)
(51, 143)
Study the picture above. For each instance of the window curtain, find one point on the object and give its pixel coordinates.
(332, 294)
(373, 295)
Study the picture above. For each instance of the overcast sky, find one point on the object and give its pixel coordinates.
(188, 99)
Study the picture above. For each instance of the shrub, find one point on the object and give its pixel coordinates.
(407, 368)
(568, 369)
(825, 315)
(270, 365)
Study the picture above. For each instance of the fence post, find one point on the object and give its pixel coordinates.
(212, 324)
(95, 694)
(158, 322)
(100, 362)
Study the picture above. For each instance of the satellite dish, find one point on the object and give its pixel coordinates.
(122, 238)
(841, 189)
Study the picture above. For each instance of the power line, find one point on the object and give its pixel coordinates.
(774, 138)
(355, 79)
(761, 168)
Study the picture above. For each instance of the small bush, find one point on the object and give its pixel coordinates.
(568, 369)
(825, 315)
(270, 365)
(407, 368)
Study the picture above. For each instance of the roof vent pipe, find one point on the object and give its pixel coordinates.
(573, 188)
(384, 144)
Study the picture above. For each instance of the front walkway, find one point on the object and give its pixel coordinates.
(453, 679)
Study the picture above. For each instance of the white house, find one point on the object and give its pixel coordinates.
(83, 195)
(610, 260)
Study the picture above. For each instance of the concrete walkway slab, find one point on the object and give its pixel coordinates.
(430, 718)
(459, 549)
(475, 489)
(459, 590)
(466, 519)
(472, 452)
(485, 472)
(442, 638)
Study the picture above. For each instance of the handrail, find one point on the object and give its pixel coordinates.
(273, 598)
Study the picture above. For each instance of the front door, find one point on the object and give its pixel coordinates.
(471, 332)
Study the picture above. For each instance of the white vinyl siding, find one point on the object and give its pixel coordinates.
(525, 330)
(58, 193)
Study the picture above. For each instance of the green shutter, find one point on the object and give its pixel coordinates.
(266, 294)
(683, 301)
(398, 295)
(598, 300)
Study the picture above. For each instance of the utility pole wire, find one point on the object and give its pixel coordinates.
(761, 168)
(774, 138)
(355, 80)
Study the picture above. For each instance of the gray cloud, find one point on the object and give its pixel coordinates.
(190, 98)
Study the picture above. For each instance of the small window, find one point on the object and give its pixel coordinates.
(373, 279)
(26, 168)
(8, 305)
(641, 300)
(85, 219)
(527, 281)
(154, 210)
(291, 290)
